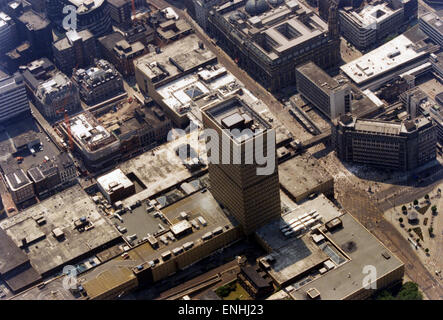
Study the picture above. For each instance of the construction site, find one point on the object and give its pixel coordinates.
(115, 132)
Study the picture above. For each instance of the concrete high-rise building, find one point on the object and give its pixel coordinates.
(8, 33)
(77, 49)
(13, 99)
(253, 199)
(328, 95)
(120, 10)
(35, 28)
(369, 24)
(430, 23)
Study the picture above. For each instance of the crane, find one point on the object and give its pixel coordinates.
(134, 19)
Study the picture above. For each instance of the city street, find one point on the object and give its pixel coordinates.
(368, 212)
(360, 204)
(273, 104)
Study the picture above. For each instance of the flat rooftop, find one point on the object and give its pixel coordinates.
(84, 4)
(161, 168)
(14, 141)
(294, 256)
(197, 89)
(301, 174)
(189, 94)
(10, 83)
(173, 28)
(371, 15)
(319, 77)
(45, 252)
(4, 19)
(11, 256)
(197, 205)
(88, 132)
(283, 27)
(364, 250)
(233, 113)
(181, 56)
(71, 36)
(329, 260)
(433, 19)
(384, 128)
(385, 58)
(388, 128)
(113, 179)
(34, 21)
(17, 179)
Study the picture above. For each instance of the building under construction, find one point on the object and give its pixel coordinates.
(97, 146)
(270, 38)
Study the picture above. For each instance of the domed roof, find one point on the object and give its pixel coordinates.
(255, 7)
(275, 3)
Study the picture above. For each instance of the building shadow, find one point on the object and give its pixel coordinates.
(419, 177)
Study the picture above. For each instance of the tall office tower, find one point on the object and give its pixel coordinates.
(13, 99)
(251, 196)
(8, 33)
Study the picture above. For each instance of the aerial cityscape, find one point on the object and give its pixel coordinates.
(221, 150)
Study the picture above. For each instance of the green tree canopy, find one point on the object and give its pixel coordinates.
(409, 291)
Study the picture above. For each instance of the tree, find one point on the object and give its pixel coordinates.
(427, 250)
(400, 220)
(431, 231)
(426, 196)
(415, 202)
(434, 208)
(403, 208)
(385, 295)
(409, 291)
